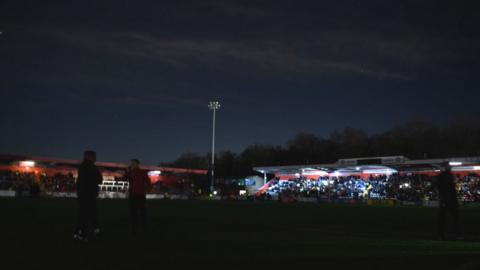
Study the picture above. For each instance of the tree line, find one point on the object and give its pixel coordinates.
(415, 140)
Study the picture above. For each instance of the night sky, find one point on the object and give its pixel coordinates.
(133, 78)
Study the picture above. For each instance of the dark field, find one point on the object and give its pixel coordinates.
(37, 233)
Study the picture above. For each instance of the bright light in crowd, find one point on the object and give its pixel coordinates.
(154, 173)
(215, 193)
(455, 163)
(27, 163)
(405, 185)
(476, 168)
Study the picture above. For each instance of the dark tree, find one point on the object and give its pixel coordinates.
(414, 139)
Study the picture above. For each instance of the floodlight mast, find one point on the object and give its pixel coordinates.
(214, 106)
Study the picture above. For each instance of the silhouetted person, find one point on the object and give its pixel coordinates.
(448, 202)
(139, 184)
(89, 177)
(34, 189)
(19, 189)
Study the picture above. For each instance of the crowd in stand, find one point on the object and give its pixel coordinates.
(22, 183)
(32, 184)
(398, 187)
(469, 188)
(58, 183)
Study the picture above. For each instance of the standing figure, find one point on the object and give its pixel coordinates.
(89, 177)
(139, 185)
(448, 202)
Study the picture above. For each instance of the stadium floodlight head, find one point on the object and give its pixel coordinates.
(214, 105)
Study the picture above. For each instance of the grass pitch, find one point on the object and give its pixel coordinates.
(37, 234)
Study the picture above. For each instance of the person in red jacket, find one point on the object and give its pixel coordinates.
(139, 185)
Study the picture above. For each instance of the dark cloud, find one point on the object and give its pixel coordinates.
(266, 54)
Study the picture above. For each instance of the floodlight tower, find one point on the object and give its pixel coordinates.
(214, 106)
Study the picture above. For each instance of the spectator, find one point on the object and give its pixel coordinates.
(448, 200)
(89, 177)
(139, 184)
